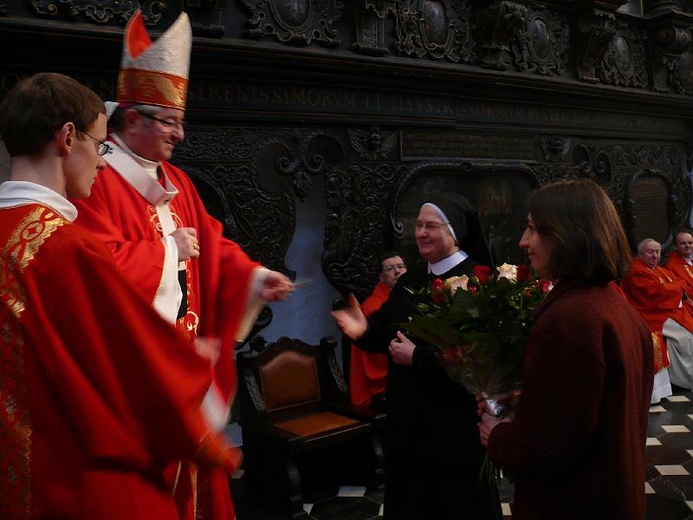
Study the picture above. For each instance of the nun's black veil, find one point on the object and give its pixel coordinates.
(464, 219)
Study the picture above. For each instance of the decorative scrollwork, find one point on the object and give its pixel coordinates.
(298, 163)
(101, 11)
(435, 29)
(355, 228)
(543, 47)
(370, 26)
(624, 63)
(294, 21)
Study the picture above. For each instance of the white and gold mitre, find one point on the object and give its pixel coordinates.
(155, 73)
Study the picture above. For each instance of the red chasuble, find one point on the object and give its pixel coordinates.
(98, 393)
(681, 270)
(657, 296)
(368, 370)
(218, 286)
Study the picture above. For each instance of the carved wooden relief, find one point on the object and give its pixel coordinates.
(433, 29)
(372, 144)
(294, 21)
(355, 230)
(497, 24)
(371, 31)
(596, 31)
(624, 62)
(101, 11)
(297, 163)
(543, 47)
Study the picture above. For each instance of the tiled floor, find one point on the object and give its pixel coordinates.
(669, 487)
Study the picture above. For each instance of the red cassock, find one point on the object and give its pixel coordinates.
(98, 393)
(218, 291)
(368, 370)
(657, 296)
(681, 270)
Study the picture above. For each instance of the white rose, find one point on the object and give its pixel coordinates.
(508, 271)
(456, 282)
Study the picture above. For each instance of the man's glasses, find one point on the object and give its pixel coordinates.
(166, 123)
(390, 268)
(431, 226)
(102, 148)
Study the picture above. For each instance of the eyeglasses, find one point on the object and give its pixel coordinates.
(431, 226)
(167, 123)
(102, 148)
(390, 268)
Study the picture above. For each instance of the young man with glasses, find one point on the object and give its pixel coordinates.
(149, 214)
(368, 370)
(99, 393)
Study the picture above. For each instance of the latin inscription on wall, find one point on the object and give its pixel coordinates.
(454, 145)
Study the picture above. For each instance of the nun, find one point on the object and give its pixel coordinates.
(433, 452)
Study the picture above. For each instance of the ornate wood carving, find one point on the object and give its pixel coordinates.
(671, 54)
(294, 21)
(625, 62)
(298, 164)
(371, 32)
(435, 29)
(101, 11)
(355, 229)
(372, 144)
(261, 222)
(595, 32)
(497, 24)
(543, 47)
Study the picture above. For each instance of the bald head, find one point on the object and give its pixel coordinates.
(684, 244)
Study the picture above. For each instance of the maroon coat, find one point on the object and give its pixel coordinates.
(577, 443)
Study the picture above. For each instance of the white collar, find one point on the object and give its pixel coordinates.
(140, 173)
(448, 263)
(21, 193)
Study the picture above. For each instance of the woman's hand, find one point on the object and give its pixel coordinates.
(351, 320)
(402, 350)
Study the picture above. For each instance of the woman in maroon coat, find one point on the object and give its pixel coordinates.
(576, 441)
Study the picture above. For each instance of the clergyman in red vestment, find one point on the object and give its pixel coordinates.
(150, 216)
(368, 370)
(680, 263)
(664, 304)
(98, 392)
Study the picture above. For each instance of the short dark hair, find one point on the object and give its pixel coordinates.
(38, 106)
(580, 221)
(385, 256)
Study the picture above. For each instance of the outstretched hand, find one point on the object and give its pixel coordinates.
(351, 320)
(276, 287)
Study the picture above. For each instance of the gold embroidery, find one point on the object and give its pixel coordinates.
(15, 434)
(152, 86)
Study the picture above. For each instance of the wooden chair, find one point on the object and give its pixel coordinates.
(294, 400)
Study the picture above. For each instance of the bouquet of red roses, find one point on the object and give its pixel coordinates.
(481, 324)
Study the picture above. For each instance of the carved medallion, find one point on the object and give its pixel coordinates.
(294, 21)
(624, 62)
(434, 29)
(543, 47)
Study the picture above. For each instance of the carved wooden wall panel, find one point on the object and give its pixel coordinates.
(357, 108)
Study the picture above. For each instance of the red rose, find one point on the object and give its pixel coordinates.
(522, 273)
(545, 285)
(482, 272)
(437, 288)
